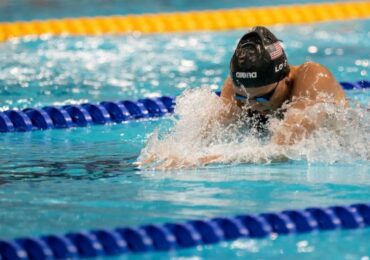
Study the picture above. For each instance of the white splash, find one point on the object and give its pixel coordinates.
(198, 135)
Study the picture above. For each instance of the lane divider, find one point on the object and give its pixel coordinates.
(227, 19)
(173, 236)
(106, 112)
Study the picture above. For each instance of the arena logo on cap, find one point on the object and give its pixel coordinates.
(246, 75)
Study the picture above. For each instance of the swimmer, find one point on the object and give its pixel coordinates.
(262, 79)
(262, 85)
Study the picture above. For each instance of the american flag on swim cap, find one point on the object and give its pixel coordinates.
(275, 50)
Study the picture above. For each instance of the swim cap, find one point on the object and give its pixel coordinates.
(258, 60)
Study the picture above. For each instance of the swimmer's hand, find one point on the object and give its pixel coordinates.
(174, 162)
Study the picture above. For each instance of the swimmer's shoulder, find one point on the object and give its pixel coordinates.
(308, 69)
(312, 78)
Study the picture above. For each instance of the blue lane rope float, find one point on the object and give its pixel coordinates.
(105, 112)
(173, 236)
(85, 114)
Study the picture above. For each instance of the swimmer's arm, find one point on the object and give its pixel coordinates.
(173, 162)
(228, 98)
(227, 92)
(314, 84)
(295, 126)
(230, 106)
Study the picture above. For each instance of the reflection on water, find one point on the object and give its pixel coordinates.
(81, 168)
(77, 153)
(324, 245)
(110, 196)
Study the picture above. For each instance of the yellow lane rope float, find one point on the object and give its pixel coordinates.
(190, 21)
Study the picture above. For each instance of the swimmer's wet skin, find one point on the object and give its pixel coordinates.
(259, 67)
(264, 86)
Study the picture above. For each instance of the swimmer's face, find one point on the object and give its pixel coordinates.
(260, 91)
(263, 106)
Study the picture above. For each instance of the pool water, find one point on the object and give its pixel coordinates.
(57, 181)
(14, 10)
(60, 70)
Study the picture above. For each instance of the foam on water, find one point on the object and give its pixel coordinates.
(198, 136)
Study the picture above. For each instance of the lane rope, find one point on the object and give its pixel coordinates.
(212, 20)
(106, 112)
(192, 233)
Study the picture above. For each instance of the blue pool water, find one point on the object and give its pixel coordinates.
(65, 180)
(62, 70)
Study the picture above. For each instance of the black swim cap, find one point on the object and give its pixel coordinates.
(258, 60)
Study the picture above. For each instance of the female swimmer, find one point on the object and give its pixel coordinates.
(263, 84)
(261, 78)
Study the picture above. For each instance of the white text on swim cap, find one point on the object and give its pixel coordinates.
(280, 66)
(246, 75)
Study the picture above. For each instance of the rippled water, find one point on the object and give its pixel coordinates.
(63, 70)
(11, 10)
(61, 180)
